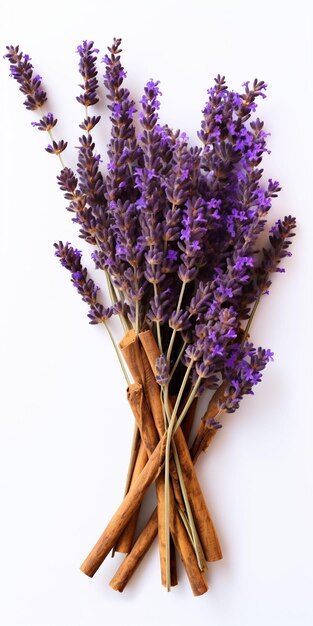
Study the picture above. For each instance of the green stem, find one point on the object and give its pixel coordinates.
(134, 447)
(118, 354)
(158, 326)
(170, 347)
(177, 361)
(246, 331)
(112, 294)
(185, 522)
(188, 529)
(188, 403)
(58, 155)
(137, 318)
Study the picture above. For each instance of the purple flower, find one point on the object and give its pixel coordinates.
(280, 240)
(87, 68)
(243, 371)
(91, 181)
(162, 373)
(47, 122)
(22, 71)
(57, 147)
(70, 258)
(123, 149)
(89, 123)
(213, 424)
(172, 255)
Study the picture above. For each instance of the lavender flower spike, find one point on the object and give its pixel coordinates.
(70, 258)
(280, 235)
(88, 70)
(22, 71)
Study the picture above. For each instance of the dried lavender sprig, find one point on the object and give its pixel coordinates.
(222, 131)
(91, 182)
(87, 68)
(243, 371)
(22, 71)
(124, 154)
(123, 150)
(279, 239)
(70, 258)
(90, 178)
(150, 215)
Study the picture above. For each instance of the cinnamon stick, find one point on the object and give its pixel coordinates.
(125, 541)
(126, 509)
(138, 365)
(142, 544)
(205, 528)
(133, 356)
(135, 556)
(143, 417)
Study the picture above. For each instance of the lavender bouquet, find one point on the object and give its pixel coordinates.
(175, 229)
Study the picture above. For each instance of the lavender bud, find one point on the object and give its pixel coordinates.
(22, 71)
(162, 373)
(88, 70)
(57, 147)
(47, 122)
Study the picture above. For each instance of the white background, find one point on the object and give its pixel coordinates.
(65, 424)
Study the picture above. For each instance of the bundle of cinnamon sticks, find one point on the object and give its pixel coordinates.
(140, 353)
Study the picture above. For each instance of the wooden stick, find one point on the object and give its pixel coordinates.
(126, 509)
(205, 528)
